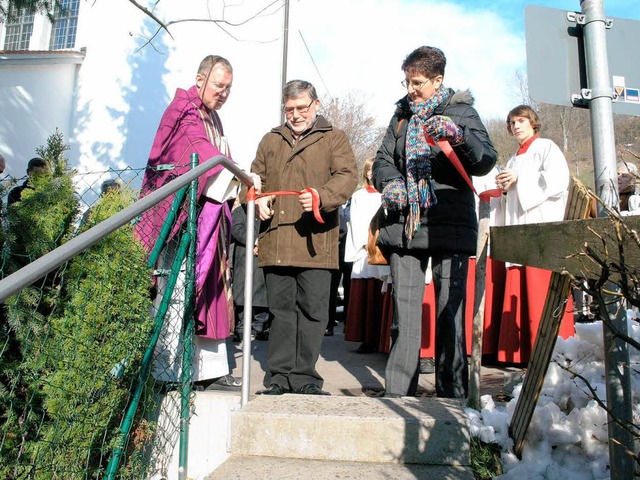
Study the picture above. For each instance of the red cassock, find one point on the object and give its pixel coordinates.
(524, 296)
(364, 312)
(509, 333)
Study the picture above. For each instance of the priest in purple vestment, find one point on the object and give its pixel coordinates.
(191, 124)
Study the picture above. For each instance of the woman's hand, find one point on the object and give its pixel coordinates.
(506, 178)
(440, 127)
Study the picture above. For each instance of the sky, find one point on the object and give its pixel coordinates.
(356, 47)
(567, 438)
(344, 47)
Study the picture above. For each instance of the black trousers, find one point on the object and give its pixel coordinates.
(450, 278)
(298, 299)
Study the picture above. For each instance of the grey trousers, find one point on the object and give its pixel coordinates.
(299, 301)
(449, 276)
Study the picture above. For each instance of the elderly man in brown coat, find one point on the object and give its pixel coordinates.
(298, 243)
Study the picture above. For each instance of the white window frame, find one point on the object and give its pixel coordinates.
(18, 32)
(65, 25)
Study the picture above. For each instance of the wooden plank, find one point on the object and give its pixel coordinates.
(540, 357)
(539, 247)
(553, 245)
(475, 366)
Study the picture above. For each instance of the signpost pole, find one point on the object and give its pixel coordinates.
(600, 94)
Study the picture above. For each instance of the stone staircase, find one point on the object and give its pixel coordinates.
(317, 437)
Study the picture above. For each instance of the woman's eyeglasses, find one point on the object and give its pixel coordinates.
(415, 86)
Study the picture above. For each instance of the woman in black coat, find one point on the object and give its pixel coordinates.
(428, 210)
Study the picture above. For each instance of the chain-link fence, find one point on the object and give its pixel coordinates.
(92, 383)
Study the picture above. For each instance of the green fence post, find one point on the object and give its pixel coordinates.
(188, 326)
(125, 427)
(167, 225)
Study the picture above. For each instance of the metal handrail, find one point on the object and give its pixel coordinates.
(45, 264)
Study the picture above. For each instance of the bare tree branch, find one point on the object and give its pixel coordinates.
(151, 15)
(629, 427)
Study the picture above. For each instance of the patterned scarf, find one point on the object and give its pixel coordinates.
(420, 190)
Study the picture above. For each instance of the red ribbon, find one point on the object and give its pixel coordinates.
(445, 146)
(315, 199)
(487, 195)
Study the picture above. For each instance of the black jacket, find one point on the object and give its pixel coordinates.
(451, 225)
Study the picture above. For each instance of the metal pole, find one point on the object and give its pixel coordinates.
(616, 353)
(39, 268)
(285, 48)
(248, 296)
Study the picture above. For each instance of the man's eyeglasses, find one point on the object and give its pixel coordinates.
(415, 86)
(220, 88)
(288, 111)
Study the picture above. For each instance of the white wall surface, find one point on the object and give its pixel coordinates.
(34, 101)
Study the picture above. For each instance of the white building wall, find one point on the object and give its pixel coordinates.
(123, 86)
(34, 101)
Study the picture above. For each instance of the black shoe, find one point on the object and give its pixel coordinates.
(274, 389)
(328, 332)
(427, 365)
(312, 389)
(263, 336)
(364, 348)
(228, 383)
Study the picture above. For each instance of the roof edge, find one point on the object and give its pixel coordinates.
(41, 57)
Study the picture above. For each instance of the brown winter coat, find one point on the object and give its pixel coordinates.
(322, 159)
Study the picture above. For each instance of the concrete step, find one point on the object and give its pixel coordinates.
(426, 431)
(270, 468)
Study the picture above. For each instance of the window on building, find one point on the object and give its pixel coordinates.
(18, 31)
(65, 25)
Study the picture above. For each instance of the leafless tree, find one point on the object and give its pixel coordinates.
(350, 114)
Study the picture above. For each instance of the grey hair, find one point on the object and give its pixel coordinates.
(210, 61)
(631, 168)
(298, 88)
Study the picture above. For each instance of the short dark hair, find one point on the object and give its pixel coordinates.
(111, 184)
(36, 162)
(210, 61)
(527, 112)
(298, 88)
(427, 61)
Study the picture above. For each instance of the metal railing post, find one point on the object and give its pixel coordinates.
(248, 296)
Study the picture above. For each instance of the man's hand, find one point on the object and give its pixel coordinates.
(257, 183)
(306, 200)
(263, 207)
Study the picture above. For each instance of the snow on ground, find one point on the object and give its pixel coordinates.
(567, 437)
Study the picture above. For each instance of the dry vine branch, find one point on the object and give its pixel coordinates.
(629, 427)
(165, 25)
